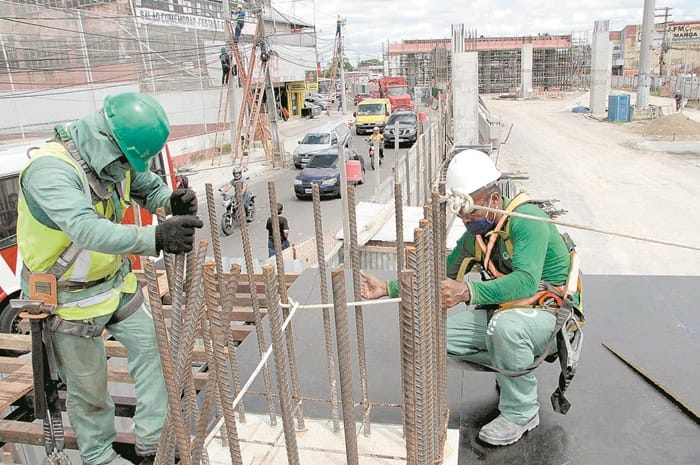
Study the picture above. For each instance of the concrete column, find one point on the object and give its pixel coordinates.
(465, 98)
(600, 59)
(526, 71)
(645, 55)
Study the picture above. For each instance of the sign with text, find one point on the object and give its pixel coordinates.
(166, 18)
(684, 32)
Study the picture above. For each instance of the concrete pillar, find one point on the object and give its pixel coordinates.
(645, 55)
(465, 98)
(600, 59)
(526, 71)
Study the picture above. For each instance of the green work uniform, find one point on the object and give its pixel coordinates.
(512, 338)
(56, 207)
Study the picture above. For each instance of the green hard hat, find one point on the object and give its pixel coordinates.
(138, 124)
(223, 49)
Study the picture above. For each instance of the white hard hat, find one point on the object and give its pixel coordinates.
(469, 171)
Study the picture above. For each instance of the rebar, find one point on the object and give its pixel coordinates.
(259, 331)
(226, 290)
(218, 335)
(282, 285)
(439, 263)
(274, 312)
(431, 287)
(323, 278)
(406, 291)
(174, 400)
(398, 217)
(231, 281)
(359, 317)
(424, 348)
(342, 340)
(195, 309)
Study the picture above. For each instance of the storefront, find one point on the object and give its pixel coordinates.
(295, 97)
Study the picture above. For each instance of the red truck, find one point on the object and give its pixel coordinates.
(396, 90)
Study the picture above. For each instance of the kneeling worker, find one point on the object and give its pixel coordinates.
(513, 322)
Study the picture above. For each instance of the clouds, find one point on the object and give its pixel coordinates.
(371, 23)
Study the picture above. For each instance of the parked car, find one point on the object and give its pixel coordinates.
(317, 100)
(311, 109)
(408, 128)
(360, 97)
(323, 170)
(320, 139)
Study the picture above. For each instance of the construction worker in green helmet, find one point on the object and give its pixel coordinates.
(225, 60)
(512, 320)
(74, 192)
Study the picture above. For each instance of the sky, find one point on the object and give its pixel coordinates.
(371, 24)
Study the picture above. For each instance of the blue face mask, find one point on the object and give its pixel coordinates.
(480, 226)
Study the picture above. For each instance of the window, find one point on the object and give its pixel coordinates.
(9, 188)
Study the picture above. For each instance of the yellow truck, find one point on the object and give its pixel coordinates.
(371, 112)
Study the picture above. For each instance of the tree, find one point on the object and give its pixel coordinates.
(346, 64)
(370, 62)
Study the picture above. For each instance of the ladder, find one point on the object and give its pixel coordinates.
(334, 66)
(249, 124)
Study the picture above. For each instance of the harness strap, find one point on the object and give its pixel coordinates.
(88, 330)
(95, 185)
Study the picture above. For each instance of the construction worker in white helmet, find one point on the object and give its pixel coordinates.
(506, 330)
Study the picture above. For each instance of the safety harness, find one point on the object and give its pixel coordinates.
(558, 300)
(98, 193)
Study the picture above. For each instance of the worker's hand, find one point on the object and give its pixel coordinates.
(453, 292)
(176, 234)
(183, 202)
(372, 287)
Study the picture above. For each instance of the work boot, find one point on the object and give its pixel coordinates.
(501, 431)
(117, 460)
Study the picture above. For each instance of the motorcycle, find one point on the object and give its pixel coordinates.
(372, 151)
(230, 216)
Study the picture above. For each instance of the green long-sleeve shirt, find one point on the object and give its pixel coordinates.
(55, 194)
(539, 253)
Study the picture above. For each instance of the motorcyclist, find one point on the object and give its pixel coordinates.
(378, 137)
(237, 173)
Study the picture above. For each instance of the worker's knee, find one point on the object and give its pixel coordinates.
(506, 328)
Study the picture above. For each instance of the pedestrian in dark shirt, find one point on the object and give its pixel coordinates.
(225, 59)
(284, 232)
(679, 98)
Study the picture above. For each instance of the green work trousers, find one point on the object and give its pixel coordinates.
(511, 340)
(82, 364)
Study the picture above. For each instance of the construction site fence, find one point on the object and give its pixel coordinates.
(688, 86)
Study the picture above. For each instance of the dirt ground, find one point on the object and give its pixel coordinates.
(676, 126)
(604, 183)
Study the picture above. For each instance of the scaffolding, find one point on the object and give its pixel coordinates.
(428, 62)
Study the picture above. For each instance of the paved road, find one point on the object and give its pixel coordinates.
(298, 212)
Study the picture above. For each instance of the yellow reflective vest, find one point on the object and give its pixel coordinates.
(40, 247)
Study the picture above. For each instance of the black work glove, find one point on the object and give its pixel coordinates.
(183, 202)
(176, 234)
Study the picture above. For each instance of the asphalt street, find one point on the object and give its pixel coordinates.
(299, 213)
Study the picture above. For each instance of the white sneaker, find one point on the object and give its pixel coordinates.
(501, 432)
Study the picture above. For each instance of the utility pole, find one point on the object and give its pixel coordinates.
(233, 82)
(665, 47)
(277, 153)
(341, 22)
(645, 55)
